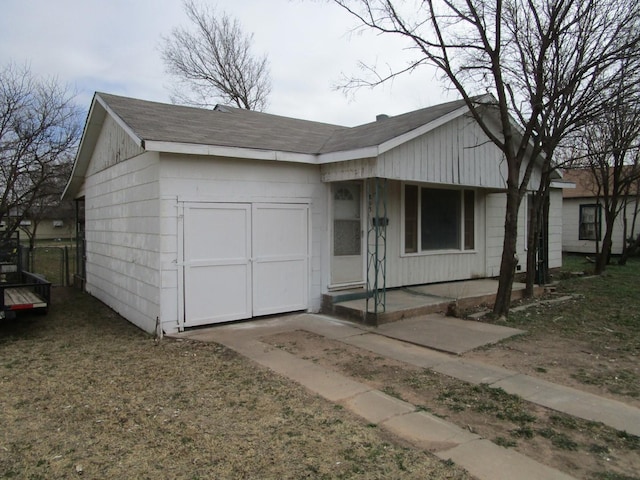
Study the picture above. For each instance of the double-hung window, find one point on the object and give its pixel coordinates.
(590, 222)
(438, 219)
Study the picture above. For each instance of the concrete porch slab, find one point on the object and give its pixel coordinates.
(417, 300)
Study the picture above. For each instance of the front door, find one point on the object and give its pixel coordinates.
(347, 261)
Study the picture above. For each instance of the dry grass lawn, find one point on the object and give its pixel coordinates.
(83, 392)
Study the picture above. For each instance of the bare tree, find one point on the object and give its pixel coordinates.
(213, 62)
(48, 203)
(477, 45)
(589, 53)
(39, 131)
(610, 149)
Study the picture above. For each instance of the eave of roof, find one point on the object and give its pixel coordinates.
(92, 128)
(238, 133)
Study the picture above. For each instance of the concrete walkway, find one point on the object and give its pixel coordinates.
(446, 334)
(480, 457)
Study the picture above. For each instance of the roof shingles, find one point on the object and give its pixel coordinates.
(235, 127)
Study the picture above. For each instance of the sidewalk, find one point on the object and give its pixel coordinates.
(480, 457)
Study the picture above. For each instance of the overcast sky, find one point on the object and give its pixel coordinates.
(113, 46)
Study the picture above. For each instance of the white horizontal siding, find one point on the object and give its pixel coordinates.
(571, 223)
(123, 241)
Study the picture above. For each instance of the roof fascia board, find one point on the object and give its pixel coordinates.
(342, 156)
(92, 128)
(120, 122)
(232, 152)
(562, 184)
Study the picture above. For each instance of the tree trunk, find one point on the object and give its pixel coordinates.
(537, 218)
(602, 260)
(509, 258)
(545, 277)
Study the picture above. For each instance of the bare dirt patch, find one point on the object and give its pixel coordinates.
(573, 362)
(84, 392)
(591, 342)
(580, 448)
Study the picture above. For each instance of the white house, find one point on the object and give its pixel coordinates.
(583, 221)
(197, 216)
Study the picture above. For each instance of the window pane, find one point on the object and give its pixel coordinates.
(589, 222)
(346, 237)
(347, 225)
(469, 220)
(441, 220)
(410, 219)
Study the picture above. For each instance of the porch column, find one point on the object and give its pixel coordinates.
(377, 222)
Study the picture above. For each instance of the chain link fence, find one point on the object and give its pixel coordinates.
(56, 263)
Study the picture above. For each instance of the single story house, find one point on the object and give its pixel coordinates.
(583, 221)
(55, 224)
(195, 216)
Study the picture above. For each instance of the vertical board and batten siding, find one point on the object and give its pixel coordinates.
(494, 232)
(432, 267)
(495, 218)
(113, 146)
(217, 179)
(122, 227)
(496, 205)
(456, 153)
(571, 227)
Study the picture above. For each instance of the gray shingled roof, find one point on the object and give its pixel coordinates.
(380, 131)
(235, 127)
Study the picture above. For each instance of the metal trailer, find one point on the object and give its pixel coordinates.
(20, 290)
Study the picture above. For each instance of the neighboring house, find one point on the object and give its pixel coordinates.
(583, 221)
(57, 224)
(196, 216)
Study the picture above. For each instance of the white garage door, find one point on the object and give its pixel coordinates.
(243, 260)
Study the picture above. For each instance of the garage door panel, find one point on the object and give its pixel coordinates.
(214, 232)
(217, 294)
(280, 230)
(280, 286)
(244, 260)
(280, 246)
(217, 257)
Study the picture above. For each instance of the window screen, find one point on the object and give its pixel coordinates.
(589, 222)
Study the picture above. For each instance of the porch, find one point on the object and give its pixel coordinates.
(412, 301)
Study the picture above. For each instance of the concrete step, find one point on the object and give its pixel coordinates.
(408, 302)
